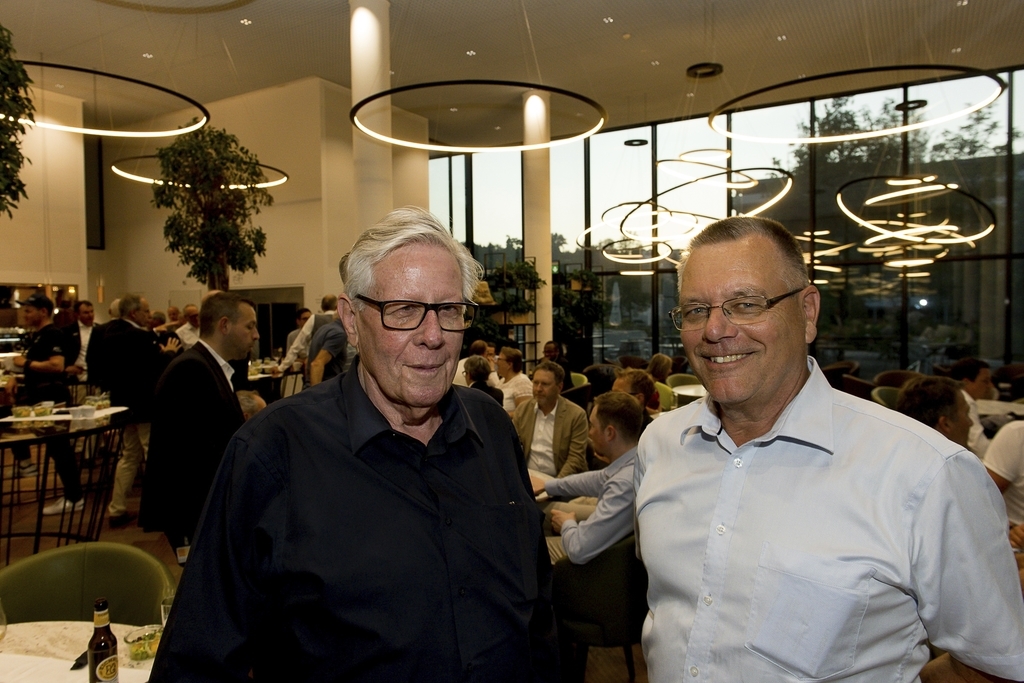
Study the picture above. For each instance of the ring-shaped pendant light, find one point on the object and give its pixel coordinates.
(730, 106)
(663, 251)
(458, 149)
(118, 133)
(162, 181)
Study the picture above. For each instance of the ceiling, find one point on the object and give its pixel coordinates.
(630, 56)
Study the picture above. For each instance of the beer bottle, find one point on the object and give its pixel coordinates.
(102, 646)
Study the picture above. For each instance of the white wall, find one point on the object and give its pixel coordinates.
(44, 243)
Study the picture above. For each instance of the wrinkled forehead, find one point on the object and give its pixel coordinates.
(725, 270)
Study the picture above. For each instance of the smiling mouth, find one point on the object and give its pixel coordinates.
(727, 359)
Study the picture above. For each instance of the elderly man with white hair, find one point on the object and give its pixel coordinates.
(378, 527)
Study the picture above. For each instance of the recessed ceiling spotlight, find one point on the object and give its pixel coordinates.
(955, 50)
(147, 55)
(626, 36)
(453, 109)
(802, 76)
(704, 70)
(689, 94)
(607, 20)
(471, 53)
(961, 3)
(245, 22)
(59, 86)
(655, 63)
(497, 128)
(392, 73)
(635, 143)
(911, 105)
(780, 38)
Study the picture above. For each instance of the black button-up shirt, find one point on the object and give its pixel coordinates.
(334, 548)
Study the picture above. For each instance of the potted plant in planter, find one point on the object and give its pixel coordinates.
(14, 105)
(210, 189)
(512, 285)
(580, 307)
(584, 280)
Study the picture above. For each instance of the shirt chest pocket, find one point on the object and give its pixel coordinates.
(806, 612)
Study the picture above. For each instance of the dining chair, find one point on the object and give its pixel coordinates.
(855, 386)
(602, 603)
(885, 396)
(668, 399)
(680, 378)
(63, 583)
(895, 378)
(578, 379)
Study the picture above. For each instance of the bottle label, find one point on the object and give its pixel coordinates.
(107, 669)
(101, 618)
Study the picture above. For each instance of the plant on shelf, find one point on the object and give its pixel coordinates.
(209, 188)
(15, 106)
(580, 306)
(512, 285)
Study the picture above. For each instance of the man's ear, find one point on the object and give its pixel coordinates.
(812, 306)
(943, 426)
(347, 315)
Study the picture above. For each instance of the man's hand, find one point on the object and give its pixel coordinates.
(276, 371)
(558, 518)
(538, 485)
(171, 346)
(1017, 537)
(19, 361)
(74, 370)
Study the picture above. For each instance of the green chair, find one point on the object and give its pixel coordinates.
(668, 399)
(885, 396)
(578, 379)
(602, 603)
(63, 583)
(681, 378)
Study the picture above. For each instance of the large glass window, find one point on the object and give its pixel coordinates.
(567, 204)
(620, 181)
(627, 328)
(498, 206)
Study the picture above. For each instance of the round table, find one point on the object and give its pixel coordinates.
(65, 640)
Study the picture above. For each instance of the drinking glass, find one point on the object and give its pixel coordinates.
(165, 604)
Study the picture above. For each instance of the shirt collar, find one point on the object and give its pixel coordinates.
(802, 420)
(224, 365)
(620, 462)
(366, 422)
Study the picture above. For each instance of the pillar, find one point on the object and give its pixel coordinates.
(537, 203)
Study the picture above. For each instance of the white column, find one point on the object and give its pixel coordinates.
(371, 73)
(537, 203)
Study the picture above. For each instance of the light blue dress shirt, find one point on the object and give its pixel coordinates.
(831, 547)
(611, 521)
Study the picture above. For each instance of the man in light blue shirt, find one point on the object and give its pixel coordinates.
(587, 530)
(795, 533)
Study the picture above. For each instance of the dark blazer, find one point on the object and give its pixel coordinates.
(73, 334)
(496, 394)
(132, 364)
(195, 414)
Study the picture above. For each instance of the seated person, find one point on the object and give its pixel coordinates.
(938, 403)
(476, 371)
(515, 385)
(552, 429)
(1004, 460)
(555, 352)
(640, 386)
(477, 348)
(976, 383)
(587, 529)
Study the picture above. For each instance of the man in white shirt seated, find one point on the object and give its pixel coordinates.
(976, 382)
(477, 348)
(1004, 460)
(515, 385)
(587, 529)
(552, 429)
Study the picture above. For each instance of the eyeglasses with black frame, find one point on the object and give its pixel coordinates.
(743, 310)
(403, 315)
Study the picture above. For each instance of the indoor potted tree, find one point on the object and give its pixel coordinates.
(15, 106)
(210, 187)
(513, 285)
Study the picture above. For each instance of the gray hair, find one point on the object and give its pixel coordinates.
(794, 270)
(128, 304)
(401, 228)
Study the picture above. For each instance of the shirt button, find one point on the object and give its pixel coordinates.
(694, 671)
(708, 600)
(448, 521)
(720, 529)
(738, 462)
(462, 591)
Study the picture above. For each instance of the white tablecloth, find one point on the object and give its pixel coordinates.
(986, 407)
(43, 651)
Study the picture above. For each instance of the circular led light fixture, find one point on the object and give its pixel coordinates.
(667, 166)
(161, 181)
(483, 110)
(909, 262)
(634, 254)
(84, 130)
(730, 106)
(706, 156)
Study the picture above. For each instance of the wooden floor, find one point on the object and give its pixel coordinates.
(604, 665)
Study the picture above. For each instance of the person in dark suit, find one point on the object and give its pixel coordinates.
(133, 361)
(477, 370)
(79, 349)
(195, 394)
